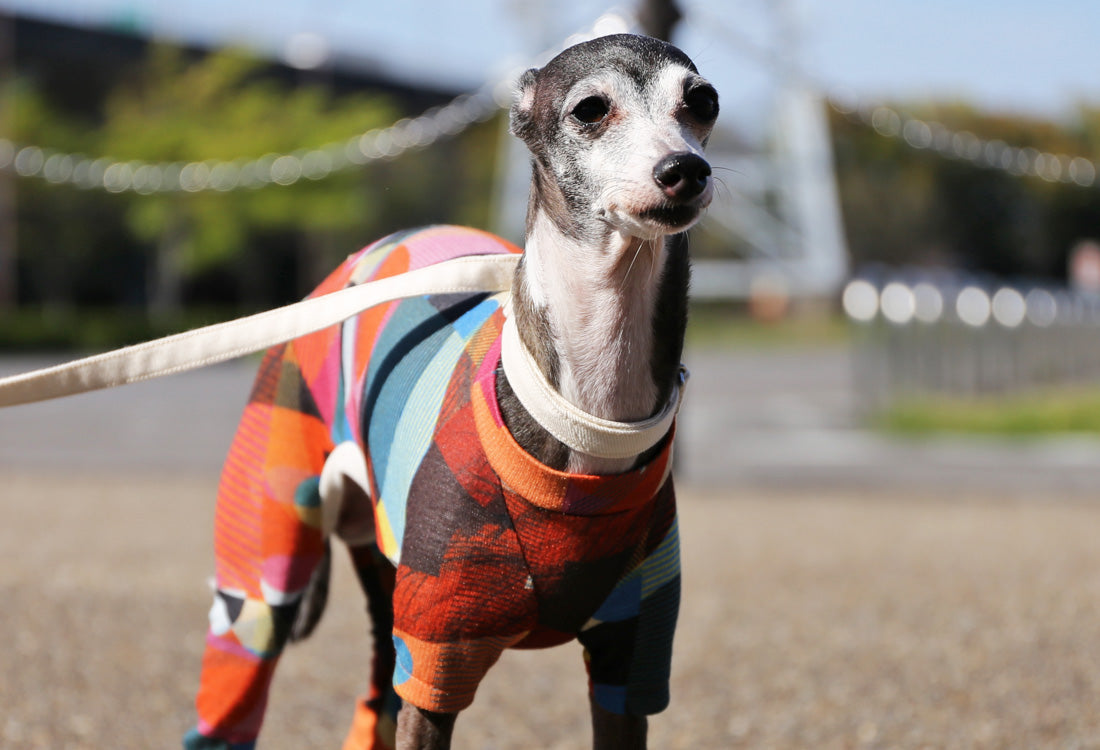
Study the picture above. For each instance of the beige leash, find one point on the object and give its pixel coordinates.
(579, 430)
(255, 333)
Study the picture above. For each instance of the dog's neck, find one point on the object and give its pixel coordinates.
(604, 322)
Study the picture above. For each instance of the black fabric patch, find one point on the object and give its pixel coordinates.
(610, 647)
(438, 506)
(293, 392)
(233, 605)
(568, 601)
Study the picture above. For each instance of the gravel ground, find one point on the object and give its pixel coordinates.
(839, 621)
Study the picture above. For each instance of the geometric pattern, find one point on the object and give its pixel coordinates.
(491, 549)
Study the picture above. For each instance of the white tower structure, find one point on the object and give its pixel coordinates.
(804, 156)
(784, 204)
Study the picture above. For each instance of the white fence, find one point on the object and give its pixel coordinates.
(942, 336)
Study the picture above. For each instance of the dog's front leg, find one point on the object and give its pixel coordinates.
(617, 731)
(418, 729)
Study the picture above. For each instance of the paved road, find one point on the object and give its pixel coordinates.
(785, 418)
(178, 423)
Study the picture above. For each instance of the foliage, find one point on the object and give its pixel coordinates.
(219, 108)
(725, 326)
(260, 247)
(250, 247)
(27, 117)
(43, 329)
(908, 207)
(1064, 410)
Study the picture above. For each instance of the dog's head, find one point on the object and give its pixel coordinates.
(617, 127)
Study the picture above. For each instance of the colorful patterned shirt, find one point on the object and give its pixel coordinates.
(493, 549)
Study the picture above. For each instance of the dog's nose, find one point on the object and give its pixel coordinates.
(682, 176)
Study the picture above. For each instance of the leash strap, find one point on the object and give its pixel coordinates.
(191, 350)
(223, 341)
(578, 429)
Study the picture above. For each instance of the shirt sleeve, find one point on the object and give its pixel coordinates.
(628, 642)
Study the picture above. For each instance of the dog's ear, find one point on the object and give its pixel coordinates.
(522, 108)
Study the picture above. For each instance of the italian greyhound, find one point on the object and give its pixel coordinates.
(472, 525)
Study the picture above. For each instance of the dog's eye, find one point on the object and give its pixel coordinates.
(591, 110)
(702, 103)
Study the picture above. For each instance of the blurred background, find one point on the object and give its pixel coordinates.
(888, 454)
(905, 240)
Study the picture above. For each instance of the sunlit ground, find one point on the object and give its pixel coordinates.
(831, 620)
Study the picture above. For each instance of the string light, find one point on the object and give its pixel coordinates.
(146, 178)
(447, 121)
(923, 135)
(965, 146)
(900, 304)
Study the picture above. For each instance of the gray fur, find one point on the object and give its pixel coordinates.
(566, 193)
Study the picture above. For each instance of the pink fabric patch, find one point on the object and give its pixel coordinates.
(487, 379)
(437, 244)
(324, 386)
(281, 573)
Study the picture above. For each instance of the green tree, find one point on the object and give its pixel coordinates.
(53, 239)
(905, 206)
(221, 107)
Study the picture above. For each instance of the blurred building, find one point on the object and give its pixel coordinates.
(76, 65)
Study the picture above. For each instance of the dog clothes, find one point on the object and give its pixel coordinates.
(492, 549)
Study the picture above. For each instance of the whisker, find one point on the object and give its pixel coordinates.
(726, 169)
(721, 186)
(631, 266)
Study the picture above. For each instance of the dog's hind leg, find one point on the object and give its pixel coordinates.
(268, 541)
(349, 514)
(375, 722)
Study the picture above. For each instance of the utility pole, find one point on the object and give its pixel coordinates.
(8, 286)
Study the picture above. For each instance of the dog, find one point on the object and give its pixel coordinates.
(474, 526)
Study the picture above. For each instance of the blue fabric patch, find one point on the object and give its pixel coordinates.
(403, 667)
(308, 493)
(341, 421)
(402, 350)
(623, 602)
(468, 324)
(610, 697)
